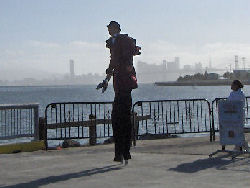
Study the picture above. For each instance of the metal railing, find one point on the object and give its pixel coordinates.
(20, 120)
(81, 120)
(173, 116)
(78, 120)
(92, 120)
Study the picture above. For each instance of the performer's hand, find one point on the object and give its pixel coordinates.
(103, 85)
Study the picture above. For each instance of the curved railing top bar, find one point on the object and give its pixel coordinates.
(85, 102)
(174, 100)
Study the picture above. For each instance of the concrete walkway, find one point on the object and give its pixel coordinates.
(175, 162)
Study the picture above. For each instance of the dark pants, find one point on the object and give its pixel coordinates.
(121, 123)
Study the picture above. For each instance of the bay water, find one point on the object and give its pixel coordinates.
(45, 95)
(87, 93)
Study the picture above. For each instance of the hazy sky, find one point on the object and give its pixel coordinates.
(44, 34)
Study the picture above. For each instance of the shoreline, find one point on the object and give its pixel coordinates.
(200, 83)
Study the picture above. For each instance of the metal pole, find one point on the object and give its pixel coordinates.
(36, 122)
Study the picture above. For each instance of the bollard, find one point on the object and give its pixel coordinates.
(41, 128)
(36, 121)
(92, 130)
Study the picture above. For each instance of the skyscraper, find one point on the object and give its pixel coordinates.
(236, 62)
(71, 68)
(174, 65)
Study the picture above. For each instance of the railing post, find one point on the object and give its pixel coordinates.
(134, 128)
(41, 128)
(92, 130)
(211, 124)
(36, 122)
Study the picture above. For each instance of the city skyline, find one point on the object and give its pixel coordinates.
(144, 68)
(146, 73)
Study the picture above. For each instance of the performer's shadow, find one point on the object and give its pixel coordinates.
(64, 177)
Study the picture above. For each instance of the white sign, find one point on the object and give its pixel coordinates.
(231, 121)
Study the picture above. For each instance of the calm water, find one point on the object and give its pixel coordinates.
(48, 94)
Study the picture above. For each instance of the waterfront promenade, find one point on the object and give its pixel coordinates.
(174, 162)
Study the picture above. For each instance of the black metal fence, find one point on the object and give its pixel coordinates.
(78, 120)
(92, 120)
(18, 121)
(173, 116)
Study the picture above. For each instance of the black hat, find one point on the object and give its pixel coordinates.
(114, 24)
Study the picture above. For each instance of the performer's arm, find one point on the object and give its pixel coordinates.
(114, 59)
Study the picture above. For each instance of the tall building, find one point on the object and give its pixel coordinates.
(174, 65)
(236, 62)
(164, 64)
(177, 61)
(71, 68)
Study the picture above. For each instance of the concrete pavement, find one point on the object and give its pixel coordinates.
(175, 162)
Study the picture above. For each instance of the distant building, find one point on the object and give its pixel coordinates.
(187, 68)
(71, 68)
(239, 73)
(177, 60)
(212, 76)
(151, 68)
(150, 73)
(198, 67)
(174, 65)
(164, 64)
(236, 60)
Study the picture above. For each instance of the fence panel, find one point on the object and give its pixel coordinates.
(173, 116)
(19, 121)
(76, 120)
